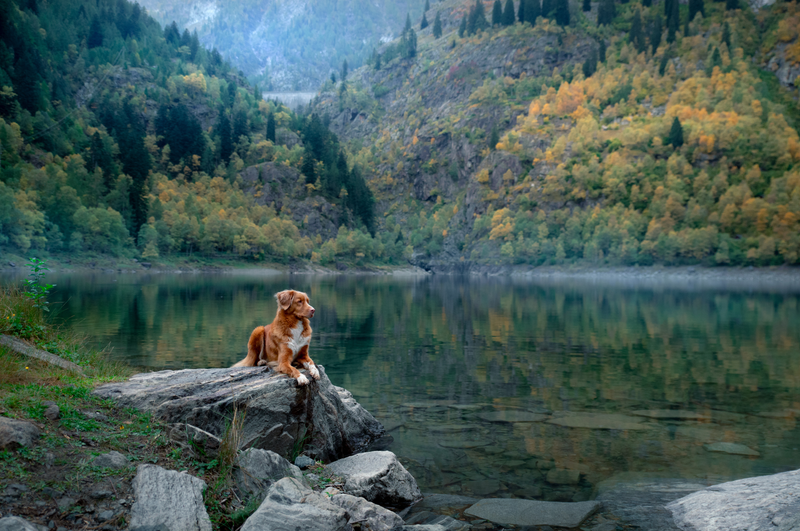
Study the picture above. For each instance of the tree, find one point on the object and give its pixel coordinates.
(309, 168)
(716, 60)
(427, 5)
(437, 27)
(587, 6)
(676, 134)
(695, 7)
(732, 5)
(407, 28)
(636, 35)
(590, 64)
(240, 126)
(494, 138)
(271, 127)
(463, 27)
(378, 61)
(95, 37)
(548, 6)
(647, 3)
(533, 10)
(655, 33)
(497, 13)
(606, 12)
(601, 53)
(411, 44)
(344, 70)
(726, 35)
(424, 24)
(477, 18)
(562, 13)
(673, 19)
(226, 143)
(508, 13)
(521, 12)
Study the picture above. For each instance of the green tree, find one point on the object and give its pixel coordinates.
(521, 11)
(497, 13)
(606, 12)
(590, 64)
(731, 5)
(673, 19)
(95, 37)
(424, 24)
(655, 33)
(726, 35)
(344, 70)
(601, 52)
(508, 13)
(463, 27)
(587, 6)
(477, 18)
(533, 10)
(548, 7)
(226, 142)
(562, 12)
(407, 27)
(427, 5)
(636, 35)
(695, 7)
(676, 134)
(494, 138)
(271, 127)
(437, 27)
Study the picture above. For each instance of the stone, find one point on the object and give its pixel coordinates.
(256, 470)
(105, 515)
(21, 347)
(101, 493)
(378, 477)
(292, 506)
(464, 443)
(505, 511)
(169, 498)
(279, 412)
(17, 433)
(513, 415)
(112, 459)
(65, 503)
(562, 476)
(731, 448)
(427, 518)
(483, 487)
(52, 412)
(670, 414)
(95, 415)
(194, 438)
(371, 516)
(15, 489)
(753, 504)
(12, 264)
(598, 421)
(15, 523)
(437, 501)
(302, 462)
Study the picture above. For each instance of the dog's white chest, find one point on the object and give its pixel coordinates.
(297, 341)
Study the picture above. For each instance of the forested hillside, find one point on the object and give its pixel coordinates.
(609, 133)
(288, 44)
(123, 138)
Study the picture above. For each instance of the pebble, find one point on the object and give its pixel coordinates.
(105, 515)
(101, 493)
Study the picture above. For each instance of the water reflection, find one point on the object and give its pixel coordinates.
(503, 388)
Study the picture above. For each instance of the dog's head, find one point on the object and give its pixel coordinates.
(295, 303)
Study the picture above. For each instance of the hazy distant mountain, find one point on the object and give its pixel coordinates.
(288, 44)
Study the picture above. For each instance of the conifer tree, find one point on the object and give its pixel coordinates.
(587, 6)
(309, 168)
(590, 64)
(411, 44)
(521, 11)
(676, 134)
(477, 18)
(424, 23)
(726, 35)
(673, 20)
(655, 33)
(271, 127)
(732, 5)
(647, 3)
(497, 13)
(344, 70)
(716, 60)
(427, 5)
(463, 27)
(437, 26)
(508, 13)
(662, 67)
(494, 138)
(533, 10)
(695, 7)
(548, 6)
(601, 52)
(636, 35)
(378, 62)
(606, 12)
(95, 37)
(562, 13)
(408, 23)
(226, 143)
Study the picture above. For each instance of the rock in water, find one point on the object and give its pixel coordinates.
(170, 499)
(731, 448)
(15, 523)
(378, 477)
(505, 511)
(278, 412)
(291, 506)
(767, 503)
(256, 470)
(17, 433)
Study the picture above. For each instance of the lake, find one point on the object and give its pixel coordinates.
(534, 389)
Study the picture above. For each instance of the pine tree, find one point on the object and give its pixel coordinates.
(601, 52)
(194, 45)
(673, 20)
(226, 143)
(477, 18)
(271, 127)
(257, 93)
(587, 6)
(378, 62)
(437, 26)
(606, 12)
(521, 12)
(309, 168)
(647, 3)
(562, 13)
(676, 134)
(344, 70)
(662, 67)
(655, 33)
(533, 10)
(95, 37)
(411, 44)
(497, 13)
(463, 27)
(424, 24)
(636, 35)
(508, 13)
(732, 5)
(494, 139)
(590, 64)
(548, 6)
(695, 7)
(408, 23)
(716, 60)
(726, 35)
(427, 5)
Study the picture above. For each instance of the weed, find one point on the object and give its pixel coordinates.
(298, 446)
(37, 290)
(238, 517)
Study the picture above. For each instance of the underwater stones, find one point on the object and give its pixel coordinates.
(598, 421)
(731, 448)
(670, 414)
(506, 511)
(512, 415)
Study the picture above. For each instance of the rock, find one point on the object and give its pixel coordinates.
(483, 487)
(194, 438)
(378, 477)
(101, 493)
(513, 415)
(731, 448)
(21, 347)
(373, 517)
(112, 459)
(670, 414)
(17, 433)
(95, 415)
(105, 515)
(52, 412)
(437, 501)
(562, 476)
(505, 511)
(256, 470)
(15, 489)
(302, 462)
(292, 506)
(65, 503)
(168, 498)
(15, 523)
(463, 443)
(598, 421)
(279, 412)
(427, 518)
(12, 264)
(423, 528)
(754, 504)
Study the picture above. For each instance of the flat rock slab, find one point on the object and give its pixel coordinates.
(168, 498)
(378, 477)
(767, 503)
(505, 511)
(599, 421)
(278, 412)
(731, 448)
(513, 415)
(670, 414)
(17, 433)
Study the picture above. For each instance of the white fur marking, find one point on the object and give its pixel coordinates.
(312, 369)
(298, 341)
(302, 380)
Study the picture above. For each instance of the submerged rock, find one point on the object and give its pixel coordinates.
(513, 415)
(598, 421)
(278, 412)
(731, 448)
(505, 511)
(165, 498)
(378, 477)
(767, 503)
(671, 414)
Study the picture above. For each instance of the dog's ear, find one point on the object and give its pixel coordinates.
(285, 298)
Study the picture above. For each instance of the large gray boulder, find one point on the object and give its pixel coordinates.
(17, 433)
(292, 506)
(378, 477)
(279, 414)
(372, 516)
(506, 511)
(15, 523)
(754, 504)
(170, 499)
(256, 470)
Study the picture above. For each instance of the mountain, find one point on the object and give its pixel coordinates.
(288, 44)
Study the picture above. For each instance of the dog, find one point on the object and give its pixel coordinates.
(284, 342)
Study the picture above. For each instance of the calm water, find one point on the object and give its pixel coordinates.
(499, 387)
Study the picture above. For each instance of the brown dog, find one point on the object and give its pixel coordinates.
(285, 341)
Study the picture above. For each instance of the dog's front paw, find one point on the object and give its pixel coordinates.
(261, 363)
(302, 380)
(314, 372)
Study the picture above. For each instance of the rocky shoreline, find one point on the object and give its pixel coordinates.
(362, 486)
